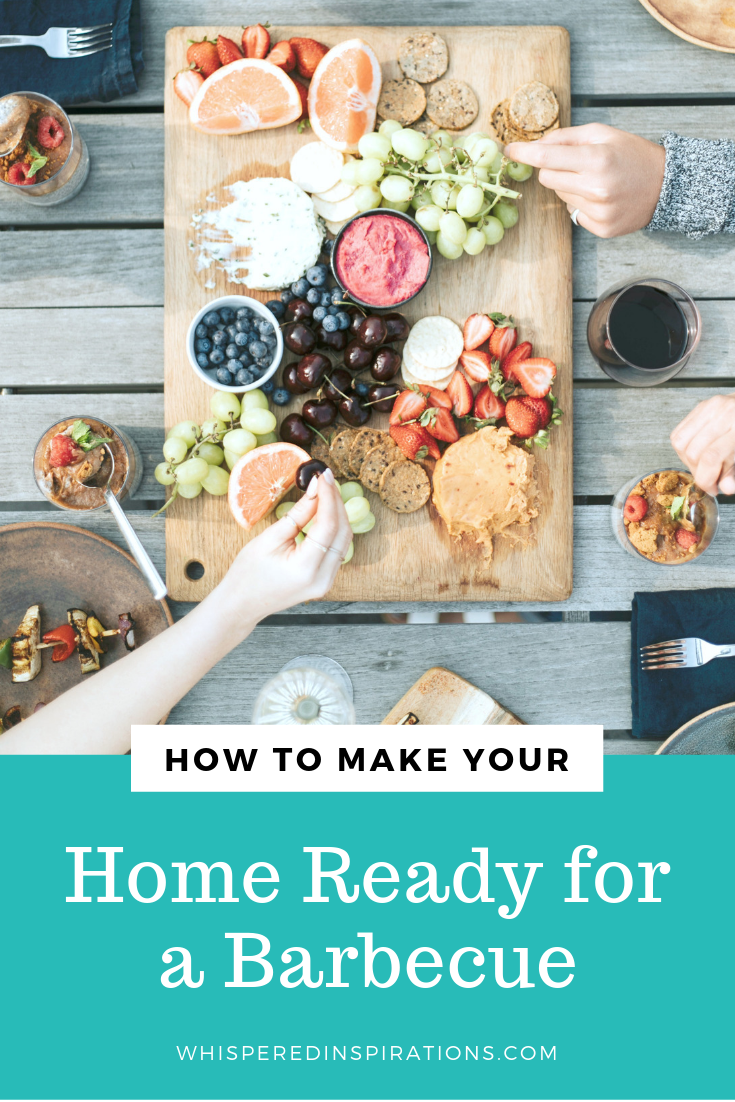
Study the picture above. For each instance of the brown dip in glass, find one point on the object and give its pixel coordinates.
(79, 484)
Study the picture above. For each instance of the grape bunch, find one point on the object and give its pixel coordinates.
(453, 185)
(357, 507)
(196, 457)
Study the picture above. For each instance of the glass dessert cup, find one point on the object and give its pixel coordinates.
(710, 515)
(310, 689)
(70, 177)
(127, 459)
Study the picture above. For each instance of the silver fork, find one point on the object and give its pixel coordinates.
(676, 654)
(65, 41)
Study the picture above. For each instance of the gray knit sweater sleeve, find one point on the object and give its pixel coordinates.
(698, 193)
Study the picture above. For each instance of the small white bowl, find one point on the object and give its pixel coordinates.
(235, 302)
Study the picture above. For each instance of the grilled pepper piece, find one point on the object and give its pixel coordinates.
(88, 655)
(6, 653)
(11, 718)
(26, 663)
(65, 638)
(126, 627)
(94, 627)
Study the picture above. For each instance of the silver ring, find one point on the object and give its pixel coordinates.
(316, 542)
(574, 215)
(337, 551)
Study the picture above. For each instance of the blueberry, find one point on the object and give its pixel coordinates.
(227, 315)
(362, 389)
(286, 297)
(313, 295)
(242, 325)
(271, 342)
(233, 365)
(281, 397)
(243, 312)
(327, 246)
(232, 351)
(256, 371)
(264, 326)
(337, 295)
(245, 357)
(343, 319)
(212, 318)
(203, 359)
(300, 287)
(257, 349)
(231, 332)
(333, 310)
(201, 330)
(320, 313)
(219, 338)
(317, 276)
(264, 362)
(224, 376)
(326, 299)
(276, 308)
(216, 357)
(203, 344)
(244, 377)
(330, 323)
(268, 386)
(241, 341)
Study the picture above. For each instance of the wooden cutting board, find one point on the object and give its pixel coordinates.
(441, 696)
(708, 23)
(528, 275)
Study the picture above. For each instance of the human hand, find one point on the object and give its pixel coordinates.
(612, 177)
(705, 441)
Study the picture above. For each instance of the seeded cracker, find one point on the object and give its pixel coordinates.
(533, 106)
(424, 125)
(340, 451)
(320, 450)
(402, 100)
(376, 461)
(423, 57)
(451, 104)
(404, 486)
(361, 445)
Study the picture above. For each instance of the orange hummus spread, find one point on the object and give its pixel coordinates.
(483, 484)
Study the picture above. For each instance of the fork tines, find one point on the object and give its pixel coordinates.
(668, 655)
(82, 40)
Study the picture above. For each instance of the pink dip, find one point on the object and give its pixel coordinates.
(382, 260)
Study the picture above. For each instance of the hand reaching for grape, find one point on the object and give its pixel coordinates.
(612, 177)
(705, 442)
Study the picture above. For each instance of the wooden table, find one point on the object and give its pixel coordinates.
(81, 323)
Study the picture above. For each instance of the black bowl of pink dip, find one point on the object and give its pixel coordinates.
(381, 259)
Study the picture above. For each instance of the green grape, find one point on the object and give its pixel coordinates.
(492, 229)
(254, 399)
(308, 526)
(461, 155)
(389, 127)
(470, 202)
(192, 471)
(361, 526)
(396, 189)
(438, 159)
(213, 427)
(421, 197)
(175, 449)
(187, 431)
(266, 438)
(430, 236)
(213, 455)
(351, 489)
(164, 474)
(507, 213)
(357, 508)
(369, 171)
(189, 489)
(366, 197)
(442, 138)
(231, 458)
(409, 144)
(474, 242)
(452, 228)
(518, 171)
(429, 217)
(484, 152)
(283, 508)
(348, 174)
(299, 537)
(350, 553)
(472, 173)
(239, 441)
(448, 248)
(374, 145)
(402, 207)
(257, 421)
(468, 141)
(216, 482)
(497, 162)
(224, 405)
(453, 194)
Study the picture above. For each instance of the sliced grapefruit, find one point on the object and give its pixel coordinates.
(248, 94)
(260, 479)
(343, 94)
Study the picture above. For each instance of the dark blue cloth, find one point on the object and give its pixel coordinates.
(104, 76)
(665, 699)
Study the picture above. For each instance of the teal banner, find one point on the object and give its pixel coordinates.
(491, 982)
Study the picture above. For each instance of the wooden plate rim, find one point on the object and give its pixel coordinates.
(689, 722)
(683, 34)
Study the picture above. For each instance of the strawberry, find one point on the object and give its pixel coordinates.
(460, 391)
(187, 83)
(636, 507)
(414, 441)
(535, 375)
(63, 451)
(304, 93)
(521, 352)
(440, 424)
(542, 407)
(502, 339)
(524, 422)
(19, 173)
(436, 397)
(477, 329)
(283, 56)
(204, 57)
(685, 538)
(256, 42)
(227, 49)
(478, 365)
(309, 53)
(488, 405)
(407, 407)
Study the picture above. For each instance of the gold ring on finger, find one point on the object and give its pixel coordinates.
(317, 544)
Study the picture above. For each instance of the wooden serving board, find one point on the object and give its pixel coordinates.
(708, 23)
(441, 696)
(528, 275)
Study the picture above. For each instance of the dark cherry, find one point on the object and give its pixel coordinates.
(372, 331)
(312, 369)
(299, 338)
(357, 357)
(292, 382)
(320, 414)
(386, 364)
(337, 385)
(397, 326)
(309, 470)
(337, 341)
(383, 396)
(354, 413)
(294, 430)
(356, 317)
(298, 309)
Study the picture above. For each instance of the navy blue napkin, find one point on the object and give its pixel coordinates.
(665, 699)
(103, 76)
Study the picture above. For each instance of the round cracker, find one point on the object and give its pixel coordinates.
(451, 104)
(423, 57)
(339, 451)
(320, 450)
(533, 106)
(423, 374)
(365, 440)
(404, 486)
(424, 125)
(376, 461)
(435, 342)
(402, 100)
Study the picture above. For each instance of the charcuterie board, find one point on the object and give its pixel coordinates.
(527, 275)
(440, 696)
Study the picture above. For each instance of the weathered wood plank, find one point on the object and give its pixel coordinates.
(652, 122)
